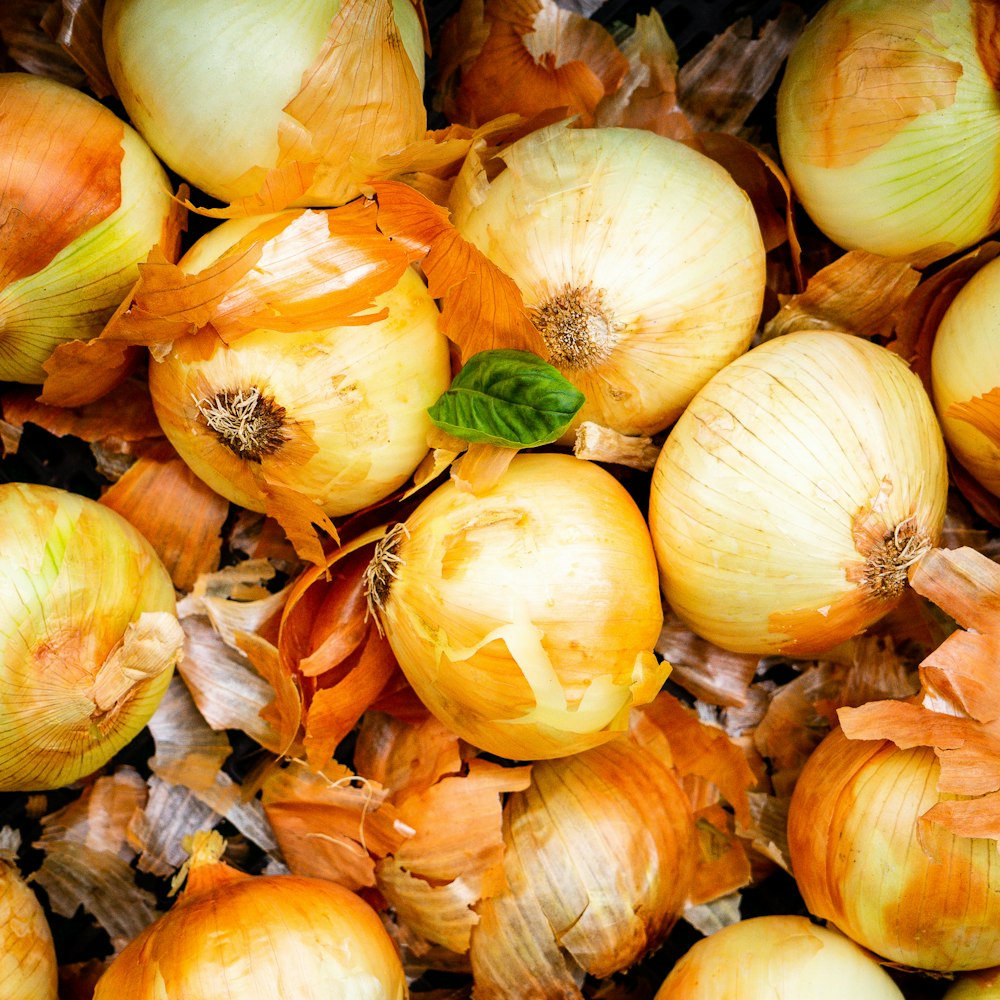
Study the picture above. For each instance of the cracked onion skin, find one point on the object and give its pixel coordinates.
(794, 493)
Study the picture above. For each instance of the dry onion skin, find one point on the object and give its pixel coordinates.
(976, 986)
(525, 617)
(889, 125)
(640, 261)
(926, 898)
(89, 635)
(232, 936)
(27, 953)
(794, 492)
(83, 199)
(965, 363)
(336, 414)
(777, 957)
(227, 94)
(600, 854)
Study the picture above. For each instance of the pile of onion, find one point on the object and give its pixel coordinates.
(83, 199)
(89, 635)
(232, 936)
(889, 126)
(507, 611)
(795, 491)
(640, 261)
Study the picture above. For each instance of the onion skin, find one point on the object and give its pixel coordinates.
(777, 958)
(775, 502)
(889, 127)
(509, 611)
(27, 954)
(976, 986)
(660, 237)
(965, 362)
(932, 903)
(83, 201)
(88, 631)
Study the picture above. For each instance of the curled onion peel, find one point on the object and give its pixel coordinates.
(525, 617)
(83, 200)
(794, 493)
(88, 631)
(640, 261)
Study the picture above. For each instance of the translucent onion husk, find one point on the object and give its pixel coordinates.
(83, 200)
(88, 635)
(640, 260)
(232, 936)
(965, 363)
(920, 897)
(337, 414)
(27, 953)
(600, 855)
(228, 93)
(889, 126)
(794, 492)
(777, 957)
(525, 617)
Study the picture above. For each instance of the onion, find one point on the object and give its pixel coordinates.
(976, 986)
(965, 363)
(525, 617)
(914, 894)
(640, 260)
(89, 635)
(889, 125)
(232, 936)
(336, 414)
(794, 492)
(27, 953)
(777, 957)
(225, 93)
(83, 199)
(599, 859)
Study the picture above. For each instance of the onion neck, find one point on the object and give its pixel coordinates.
(577, 326)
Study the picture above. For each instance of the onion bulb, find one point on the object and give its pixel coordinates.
(88, 631)
(889, 126)
(27, 953)
(83, 199)
(965, 363)
(976, 986)
(336, 414)
(777, 957)
(599, 860)
(794, 492)
(525, 617)
(226, 93)
(232, 936)
(918, 896)
(639, 259)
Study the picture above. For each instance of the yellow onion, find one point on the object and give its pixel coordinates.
(27, 953)
(976, 986)
(889, 125)
(88, 632)
(777, 957)
(525, 617)
(914, 894)
(794, 492)
(336, 414)
(965, 363)
(83, 199)
(640, 260)
(232, 936)
(226, 93)
(599, 858)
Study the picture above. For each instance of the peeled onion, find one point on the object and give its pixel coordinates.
(89, 635)
(795, 491)
(83, 199)
(525, 617)
(889, 126)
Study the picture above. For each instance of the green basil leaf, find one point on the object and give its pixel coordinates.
(509, 398)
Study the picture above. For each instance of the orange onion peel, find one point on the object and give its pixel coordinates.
(232, 935)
